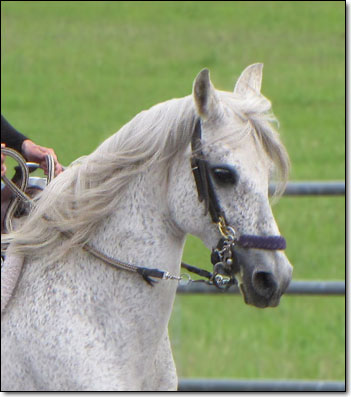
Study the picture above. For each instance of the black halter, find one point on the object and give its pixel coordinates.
(223, 256)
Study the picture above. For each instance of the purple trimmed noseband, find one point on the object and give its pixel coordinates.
(271, 243)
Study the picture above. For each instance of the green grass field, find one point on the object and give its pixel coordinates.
(73, 73)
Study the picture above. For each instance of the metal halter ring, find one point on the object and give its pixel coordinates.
(185, 279)
(226, 231)
(222, 281)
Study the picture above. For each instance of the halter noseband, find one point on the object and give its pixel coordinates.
(223, 256)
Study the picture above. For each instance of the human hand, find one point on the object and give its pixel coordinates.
(36, 153)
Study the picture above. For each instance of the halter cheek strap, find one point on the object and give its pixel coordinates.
(202, 175)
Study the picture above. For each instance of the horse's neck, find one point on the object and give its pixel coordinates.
(141, 231)
(131, 315)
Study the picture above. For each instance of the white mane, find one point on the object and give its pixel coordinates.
(93, 186)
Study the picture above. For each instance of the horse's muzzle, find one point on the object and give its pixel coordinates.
(264, 277)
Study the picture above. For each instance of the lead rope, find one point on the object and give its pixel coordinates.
(17, 191)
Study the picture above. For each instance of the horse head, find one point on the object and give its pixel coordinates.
(235, 152)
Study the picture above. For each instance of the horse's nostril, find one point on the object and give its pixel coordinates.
(264, 283)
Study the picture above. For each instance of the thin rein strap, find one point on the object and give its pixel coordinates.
(20, 191)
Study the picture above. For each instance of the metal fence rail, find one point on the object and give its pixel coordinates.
(314, 188)
(258, 385)
(295, 288)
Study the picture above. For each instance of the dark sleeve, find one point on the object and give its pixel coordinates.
(10, 136)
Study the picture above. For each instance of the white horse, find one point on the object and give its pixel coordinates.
(77, 324)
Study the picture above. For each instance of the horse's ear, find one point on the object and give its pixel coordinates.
(250, 81)
(204, 94)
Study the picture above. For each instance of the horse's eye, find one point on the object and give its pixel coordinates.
(225, 174)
